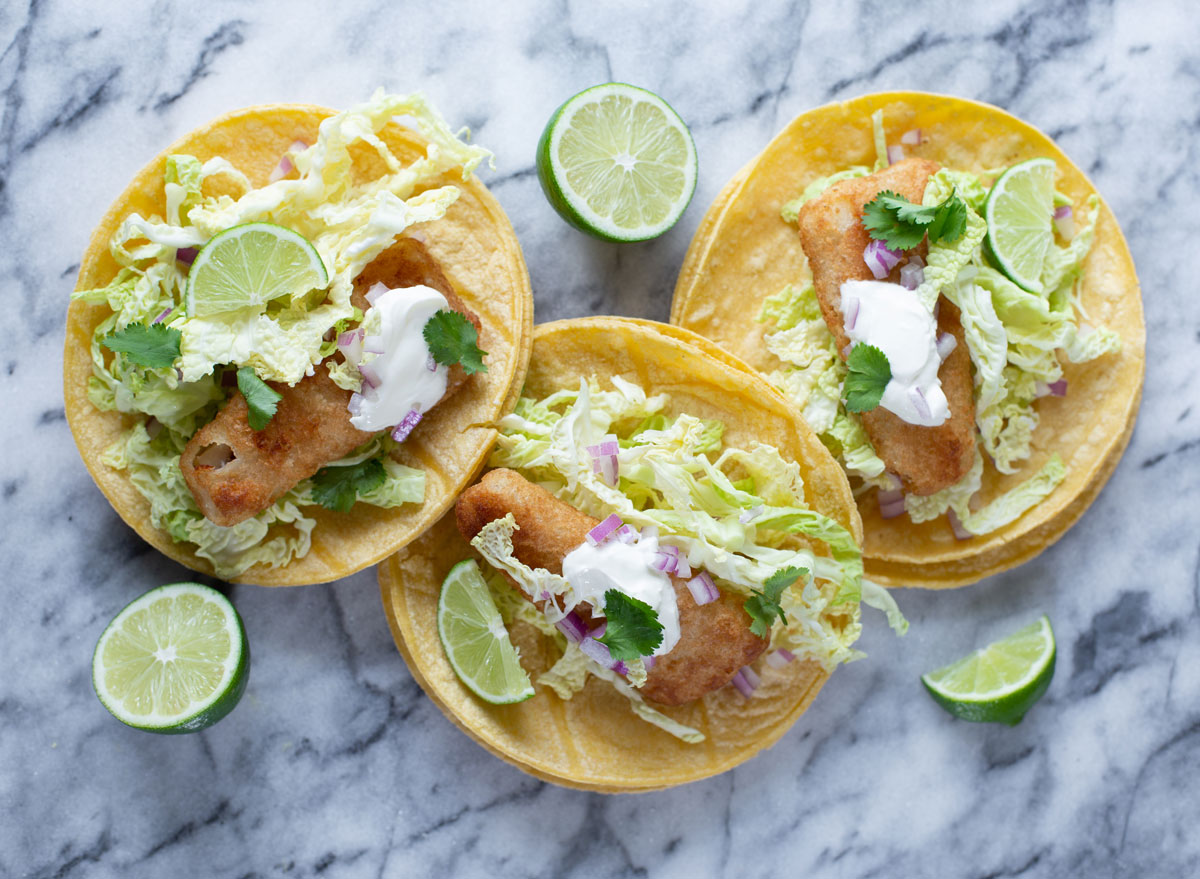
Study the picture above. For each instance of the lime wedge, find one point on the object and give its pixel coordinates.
(1019, 213)
(999, 683)
(249, 265)
(475, 640)
(173, 661)
(617, 162)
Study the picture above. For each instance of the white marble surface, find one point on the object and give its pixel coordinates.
(335, 764)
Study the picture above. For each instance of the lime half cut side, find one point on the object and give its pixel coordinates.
(173, 661)
(250, 265)
(999, 683)
(1019, 212)
(617, 162)
(475, 640)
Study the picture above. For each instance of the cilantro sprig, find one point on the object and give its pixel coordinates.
(632, 628)
(155, 346)
(900, 224)
(453, 339)
(337, 488)
(261, 398)
(869, 374)
(763, 605)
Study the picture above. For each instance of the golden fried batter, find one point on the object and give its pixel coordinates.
(235, 472)
(927, 459)
(715, 639)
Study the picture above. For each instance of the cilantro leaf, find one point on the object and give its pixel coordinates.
(901, 225)
(337, 488)
(260, 397)
(453, 339)
(763, 606)
(155, 346)
(631, 627)
(869, 374)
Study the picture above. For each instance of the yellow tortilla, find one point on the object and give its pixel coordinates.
(744, 252)
(479, 253)
(594, 741)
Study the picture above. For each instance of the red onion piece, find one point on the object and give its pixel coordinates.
(186, 255)
(1062, 211)
(283, 169)
(852, 312)
(572, 626)
(895, 154)
(665, 563)
(596, 651)
(355, 404)
(682, 568)
(164, 313)
(1058, 388)
(604, 530)
(405, 427)
(751, 677)
(370, 376)
(620, 667)
(946, 343)
(607, 446)
(894, 481)
(430, 363)
(743, 685)
(880, 259)
(891, 503)
(775, 660)
(912, 275)
(922, 405)
(625, 534)
(376, 291)
(751, 514)
(960, 532)
(912, 137)
(648, 662)
(703, 589)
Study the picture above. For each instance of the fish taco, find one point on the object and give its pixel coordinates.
(674, 554)
(953, 308)
(292, 335)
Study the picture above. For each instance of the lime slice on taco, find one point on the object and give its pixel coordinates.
(1019, 212)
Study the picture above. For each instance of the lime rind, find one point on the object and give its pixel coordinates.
(205, 675)
(250, 265)
(1018, 212)
(630, 167)
(1001, 682)
(475, 641)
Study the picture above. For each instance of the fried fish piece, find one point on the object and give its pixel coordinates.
(927, 459)
(235, 472)
(715, 639)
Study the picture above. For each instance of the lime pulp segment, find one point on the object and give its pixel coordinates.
(174, 660)
(616, 161)
(250, 265)
(1019, 213)
(475, 640)
(1000, 682)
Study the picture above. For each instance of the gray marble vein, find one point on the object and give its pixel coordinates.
(335, 764)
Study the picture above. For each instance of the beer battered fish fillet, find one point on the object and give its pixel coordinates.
(927, 459)
(715, 639)
(235, 472)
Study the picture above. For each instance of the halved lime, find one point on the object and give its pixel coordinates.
(173, 661)
(1019, 212)
(617, 162)
(475, 640)
(999, 683)
(252, 264)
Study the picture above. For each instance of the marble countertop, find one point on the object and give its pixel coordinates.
(336, 764)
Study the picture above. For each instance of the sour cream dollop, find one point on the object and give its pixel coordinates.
(406, 382)
(892, 319)
(628, 567)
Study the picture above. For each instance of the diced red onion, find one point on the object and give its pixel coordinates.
(751, 514)
(604, 459)
(285, 165)
(666, 559)
(922, 405)
(430, 363)
(912, 275)
(880, 259)
(1056, 389)
(891, 503)
(751, 677)
(912, 137)
(703, 589)
(376, 291)
(960, 532)
(780, 658)
(648, 662)
(607, 446)
(355, 404)
(186, 255)
(351, 345)
(401, 431)
(599, 631)
(895, 154)
(1064, 223)
(946, 343)
(164, 313)
(846, 351)
(937, 308)
(604, 530)
(625, 534)
(572, 626)
(370, 376)
(975, 503)
(593, 649)
(743, 686)
(852, 312)
(682, 568)
(914, 259)
(1062, 211)
(620, 667)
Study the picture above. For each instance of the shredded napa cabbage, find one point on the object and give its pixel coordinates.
(349, 222)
